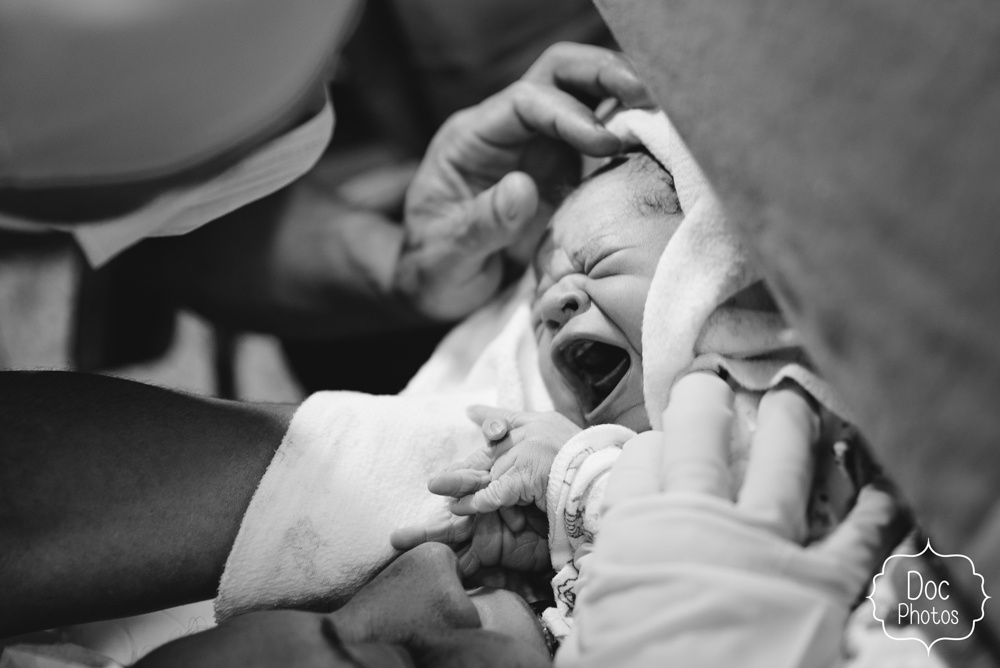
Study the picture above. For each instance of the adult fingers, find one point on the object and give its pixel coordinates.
(637, 471)
(876, 524)
(459, 482)
(495, 218)
(468, 562)
(514, 517)
(526, 109)
(696, 429)
(481, 460)
(485, 548)
(504, 491)
(590, 69)
(452, 531)
(780, 471)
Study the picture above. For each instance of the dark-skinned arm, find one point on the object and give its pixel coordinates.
(118, 498)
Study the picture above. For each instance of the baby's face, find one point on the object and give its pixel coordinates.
(594, 269)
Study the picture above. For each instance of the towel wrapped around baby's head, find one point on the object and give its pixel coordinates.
(707, 306)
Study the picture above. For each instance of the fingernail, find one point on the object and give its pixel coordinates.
(513, 208)
(495, 429)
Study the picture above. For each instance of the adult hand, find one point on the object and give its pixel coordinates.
(715, 581)
(514, 538)
(477, 191)
(414, 613)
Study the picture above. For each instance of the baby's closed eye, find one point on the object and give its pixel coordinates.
(607, 264)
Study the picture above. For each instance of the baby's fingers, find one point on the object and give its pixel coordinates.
(485, 415)
(452, 531)
(505, 491)
(459, 482)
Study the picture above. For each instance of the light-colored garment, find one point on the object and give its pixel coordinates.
(352, 467)
(684, 579)
(106, 91)
(185, 208)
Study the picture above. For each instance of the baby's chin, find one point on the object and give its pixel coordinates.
(635, 418)
(632, 416)
(623, 409)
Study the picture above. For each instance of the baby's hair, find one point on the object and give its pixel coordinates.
(660, 196)
(654, 183)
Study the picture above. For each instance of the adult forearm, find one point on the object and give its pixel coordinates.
(118, 497)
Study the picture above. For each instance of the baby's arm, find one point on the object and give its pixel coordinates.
(575, 496)
(496, 521)
(513, 469)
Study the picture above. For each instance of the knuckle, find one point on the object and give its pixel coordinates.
(524, 89)
(553, 51)
(460, 119)
(560, 50)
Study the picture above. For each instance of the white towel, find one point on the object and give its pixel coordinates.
(703, 265)
(354, 467)
(687, 324)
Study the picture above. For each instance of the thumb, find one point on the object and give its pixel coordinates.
(499, 214)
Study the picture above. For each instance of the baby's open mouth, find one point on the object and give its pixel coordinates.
(594, 369)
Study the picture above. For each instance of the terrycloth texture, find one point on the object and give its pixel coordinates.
(687, 324)
(576, 486)
(704, 265)
(354, 467)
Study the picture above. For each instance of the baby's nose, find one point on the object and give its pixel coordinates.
(562, 302)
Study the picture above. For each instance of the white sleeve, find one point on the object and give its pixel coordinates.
(351, 469)
(680, 579)
(573, 503)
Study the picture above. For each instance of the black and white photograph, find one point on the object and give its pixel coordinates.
(481, 334)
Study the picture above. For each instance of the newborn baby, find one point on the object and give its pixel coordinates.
(354, 467)
(566, 365)
(593, 269)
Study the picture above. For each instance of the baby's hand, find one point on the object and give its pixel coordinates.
(513, 469)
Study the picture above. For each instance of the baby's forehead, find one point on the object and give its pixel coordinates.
(630, 187)
(648, 185)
